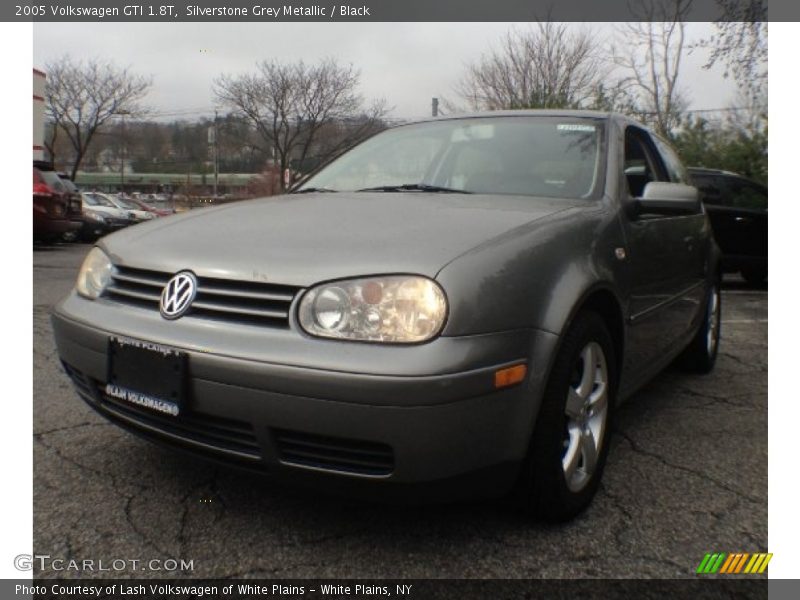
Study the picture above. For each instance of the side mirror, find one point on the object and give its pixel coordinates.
(664, 198)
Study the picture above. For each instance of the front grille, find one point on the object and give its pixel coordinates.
(221, 299)
(334, 454)
(214, 435)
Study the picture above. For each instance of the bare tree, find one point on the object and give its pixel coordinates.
(51, 139)
(83, 96)
(740, 44)
(546, 66)
(650, 55)
(289, 106)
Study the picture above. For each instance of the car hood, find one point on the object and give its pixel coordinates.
(301, 239)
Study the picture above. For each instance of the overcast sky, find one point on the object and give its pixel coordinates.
(405, 63)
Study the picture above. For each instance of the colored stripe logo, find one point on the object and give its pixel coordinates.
(730, 564)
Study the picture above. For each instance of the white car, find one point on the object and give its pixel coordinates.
(102, 203)
(136, 212)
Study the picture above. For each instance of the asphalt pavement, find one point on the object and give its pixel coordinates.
(686, 475)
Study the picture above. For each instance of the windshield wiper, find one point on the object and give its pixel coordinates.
(314, 189)
(414, 187)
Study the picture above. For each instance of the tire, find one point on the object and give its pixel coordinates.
(701, 353)
(754, 275)
(570, 440)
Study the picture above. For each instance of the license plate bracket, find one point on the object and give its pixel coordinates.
(147, 374)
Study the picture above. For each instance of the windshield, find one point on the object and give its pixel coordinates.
(127, 204)
(68, 184)
(139, 204)
(537, 156)
(95, 200)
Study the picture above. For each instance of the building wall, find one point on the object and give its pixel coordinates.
(38, 115)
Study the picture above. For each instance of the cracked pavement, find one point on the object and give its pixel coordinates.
(686, 475)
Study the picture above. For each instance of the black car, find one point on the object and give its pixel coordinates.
(93, 226)
(737, 209)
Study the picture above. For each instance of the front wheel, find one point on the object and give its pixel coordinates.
(570, 441)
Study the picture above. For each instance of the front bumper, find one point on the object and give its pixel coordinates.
(53, 227)
(346, 416)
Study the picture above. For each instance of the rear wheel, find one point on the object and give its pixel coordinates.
(701, 354)
(570, 441)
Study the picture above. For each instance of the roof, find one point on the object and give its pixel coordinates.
(529, 112)
(707, 171)
(543, 112)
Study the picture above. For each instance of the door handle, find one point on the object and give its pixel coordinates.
(742, 220)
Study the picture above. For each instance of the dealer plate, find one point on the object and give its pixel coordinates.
(146, 374)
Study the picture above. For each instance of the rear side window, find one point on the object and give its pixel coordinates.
(747, 194)
(53, 180)
(710, 188)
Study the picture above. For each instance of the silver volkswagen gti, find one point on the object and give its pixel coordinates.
(452, 308)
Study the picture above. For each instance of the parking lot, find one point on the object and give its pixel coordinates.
(687, 474)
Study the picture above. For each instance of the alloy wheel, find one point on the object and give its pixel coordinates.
(587, 416)
(712, 332)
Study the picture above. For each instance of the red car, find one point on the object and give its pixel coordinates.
(55, 210)
(160, 212)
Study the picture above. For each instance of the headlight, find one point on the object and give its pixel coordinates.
(94, 275)
(95, 217)
(397, 309)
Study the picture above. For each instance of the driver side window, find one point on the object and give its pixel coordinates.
(641, 165)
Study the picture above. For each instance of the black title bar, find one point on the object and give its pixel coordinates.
(699, 588)
(395, 10)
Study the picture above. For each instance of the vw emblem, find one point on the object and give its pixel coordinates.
(178, 295)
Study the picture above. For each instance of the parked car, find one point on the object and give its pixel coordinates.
(55, 211)
(94, 225)
(737, 208)
(100, 203)
(162, 204)
(453, 307)
(158, 212)
(136, 212)
(72, 190)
